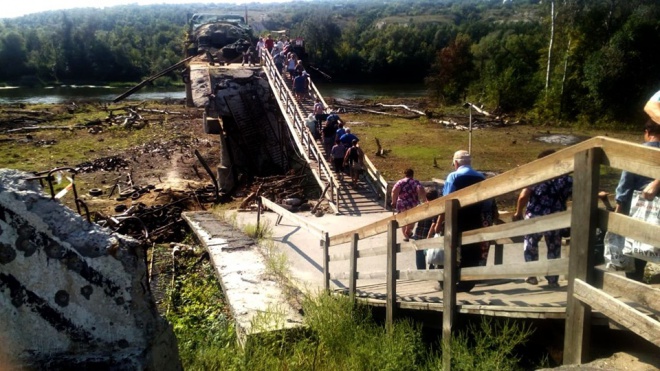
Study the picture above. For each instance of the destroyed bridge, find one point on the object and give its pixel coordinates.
(371, 265)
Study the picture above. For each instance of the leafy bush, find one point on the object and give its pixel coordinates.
(491, 346)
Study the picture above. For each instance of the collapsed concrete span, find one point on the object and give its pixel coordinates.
(73, 294)
(239, 105)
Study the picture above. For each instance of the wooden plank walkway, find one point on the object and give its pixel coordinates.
(353, 199)
(504, 298)
(498, 298)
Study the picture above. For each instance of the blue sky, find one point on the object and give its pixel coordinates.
(10, 9)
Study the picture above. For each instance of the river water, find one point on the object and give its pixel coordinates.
(78, 93)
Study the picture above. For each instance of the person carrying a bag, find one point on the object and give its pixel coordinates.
(630, 182)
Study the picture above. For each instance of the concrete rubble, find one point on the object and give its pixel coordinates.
(73, 294)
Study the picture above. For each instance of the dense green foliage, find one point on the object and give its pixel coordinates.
(600, 66)
(338, 336)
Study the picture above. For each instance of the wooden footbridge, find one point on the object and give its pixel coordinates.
(368, 195)
(368, 263)
(588, 292)
(501, 292)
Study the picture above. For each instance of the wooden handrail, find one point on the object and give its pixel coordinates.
(584, 161)
(295, 119)
(304, 224)
(640, 159)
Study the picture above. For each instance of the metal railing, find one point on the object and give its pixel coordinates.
(304, 139)
(296, 120)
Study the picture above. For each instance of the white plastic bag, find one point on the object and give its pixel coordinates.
(613, 253)
(648, 211)
(435, 256)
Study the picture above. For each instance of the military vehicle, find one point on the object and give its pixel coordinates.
(223, 36)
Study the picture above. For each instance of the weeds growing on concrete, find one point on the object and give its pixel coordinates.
(260, 232)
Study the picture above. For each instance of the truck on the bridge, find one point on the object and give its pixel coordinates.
(223, 36)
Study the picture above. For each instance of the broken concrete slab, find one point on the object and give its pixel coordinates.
(71, 292)
(257, 301)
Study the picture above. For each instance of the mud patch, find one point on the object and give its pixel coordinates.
(561, 139)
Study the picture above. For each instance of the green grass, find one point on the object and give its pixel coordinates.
(259, 233)
(338, 335)
(415, 143)
(74, 146)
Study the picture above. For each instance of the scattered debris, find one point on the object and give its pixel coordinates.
(281, 189)
(112, 163)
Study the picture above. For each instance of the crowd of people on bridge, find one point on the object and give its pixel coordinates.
(535, 201)
(287, 62)
(343, 151)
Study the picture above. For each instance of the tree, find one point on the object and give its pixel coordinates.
(452, 71)
(13, 55)
(322, 35)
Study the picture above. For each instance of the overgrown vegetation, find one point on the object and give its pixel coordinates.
(337, 336)
(427, 147)
(47, 149)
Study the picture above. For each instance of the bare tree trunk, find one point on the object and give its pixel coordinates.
(568, 53)
(563, 77)
(552, 40)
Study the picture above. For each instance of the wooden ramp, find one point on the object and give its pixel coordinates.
(368, 195)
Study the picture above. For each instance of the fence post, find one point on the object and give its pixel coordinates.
(584, 216)
(390, 308)
(326, 262)
(352, 280)
(450, 278)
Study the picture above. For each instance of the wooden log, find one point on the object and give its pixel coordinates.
(49, 127)
(402, 106)
(27, 112)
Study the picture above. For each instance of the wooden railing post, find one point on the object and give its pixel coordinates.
(326, 262)
(581, 260)
(390, 308)
(352, 279)
(450, 278)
